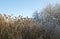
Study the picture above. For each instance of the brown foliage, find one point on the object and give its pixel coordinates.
(19, 28)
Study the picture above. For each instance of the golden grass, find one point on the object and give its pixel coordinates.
(19, 28)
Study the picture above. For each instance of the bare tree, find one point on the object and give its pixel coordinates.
(51, 20)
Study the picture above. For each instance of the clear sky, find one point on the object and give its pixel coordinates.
(24, 7)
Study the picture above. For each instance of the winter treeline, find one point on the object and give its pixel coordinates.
(49, 18)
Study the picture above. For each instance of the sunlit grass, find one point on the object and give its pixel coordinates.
(18, 28)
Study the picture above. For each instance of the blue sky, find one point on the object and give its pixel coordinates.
(24, 7)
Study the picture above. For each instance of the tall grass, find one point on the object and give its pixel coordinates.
(19, 28)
